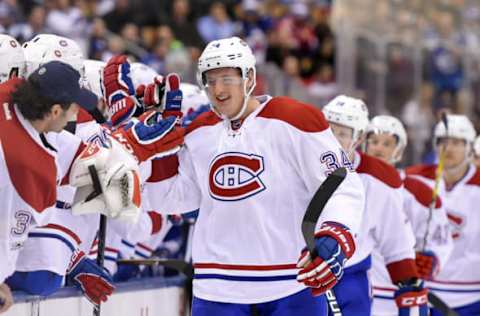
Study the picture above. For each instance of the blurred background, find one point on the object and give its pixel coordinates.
(409, 58)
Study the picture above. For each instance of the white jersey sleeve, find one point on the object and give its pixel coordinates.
(177, 194)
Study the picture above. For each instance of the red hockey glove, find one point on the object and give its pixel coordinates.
(427, 264)
(118, 90)
(334, 245)
(411, 298)
(165, 94)
(92, 280)
(151, 136)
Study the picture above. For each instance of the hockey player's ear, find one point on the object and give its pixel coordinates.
(55, 111)
(250, 79)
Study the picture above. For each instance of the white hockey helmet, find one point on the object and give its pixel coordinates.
(193, 97)
(230, 52)
(92, 78)
(48, 47)
(142, 74)
(476, 146)
(386, 124)
(349, 112)
(459, 126)
(12, 57)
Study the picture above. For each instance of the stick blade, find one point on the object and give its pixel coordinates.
(317, 204)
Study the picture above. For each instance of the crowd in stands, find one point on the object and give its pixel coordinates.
(294, 42)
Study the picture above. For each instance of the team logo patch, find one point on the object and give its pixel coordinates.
(456, 224)
(234, 176)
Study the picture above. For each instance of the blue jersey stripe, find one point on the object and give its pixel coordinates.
(246, 278)
(47, 235)
(454, 291)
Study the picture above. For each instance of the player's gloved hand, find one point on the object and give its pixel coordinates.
(119, 181)
(165, 94)
(151, 136)
(427, 264)
(411, 298)
(334, 245)
(118, 90)
(92, 280)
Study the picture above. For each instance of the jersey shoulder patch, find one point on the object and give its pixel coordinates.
(32, 170)
(421, 191)
(302, 116)
(427, 171)
(475, 179)
(379, 170)
(6, 90)
(205, 119)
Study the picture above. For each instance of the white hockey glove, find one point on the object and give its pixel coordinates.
(118, 175)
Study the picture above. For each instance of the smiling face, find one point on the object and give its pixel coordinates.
(225, 90)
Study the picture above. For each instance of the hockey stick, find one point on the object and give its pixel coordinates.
(179, 265)
(310, 219)
(438, 177)
(102, 230)
(437, 302)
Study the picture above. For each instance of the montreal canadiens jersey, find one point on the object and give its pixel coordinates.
(383, 215)
(66, 232)
(417, 198)
(458, 282)
(252, 187)
(29, 174)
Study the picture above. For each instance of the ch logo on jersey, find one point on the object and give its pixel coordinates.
(456, 224)
(234, 176)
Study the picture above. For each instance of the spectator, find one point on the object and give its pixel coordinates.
(67, 20)
(35, 25)
(98, 43)
(182, 25)
(419, 119)
(217, 24)
(119, 16)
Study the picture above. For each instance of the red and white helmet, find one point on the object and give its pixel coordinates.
(230, 52)
(93, 72)
(12, 57)
(142, 74)
(458, 126)
(48, 47)
(349, 112)
(193, 97)
(386, 124)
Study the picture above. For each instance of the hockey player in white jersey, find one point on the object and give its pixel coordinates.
(458, 283)
(12, 65)
(386, 140)
(251, 165)
(383, 215)
(67, 234)
(47, 79)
